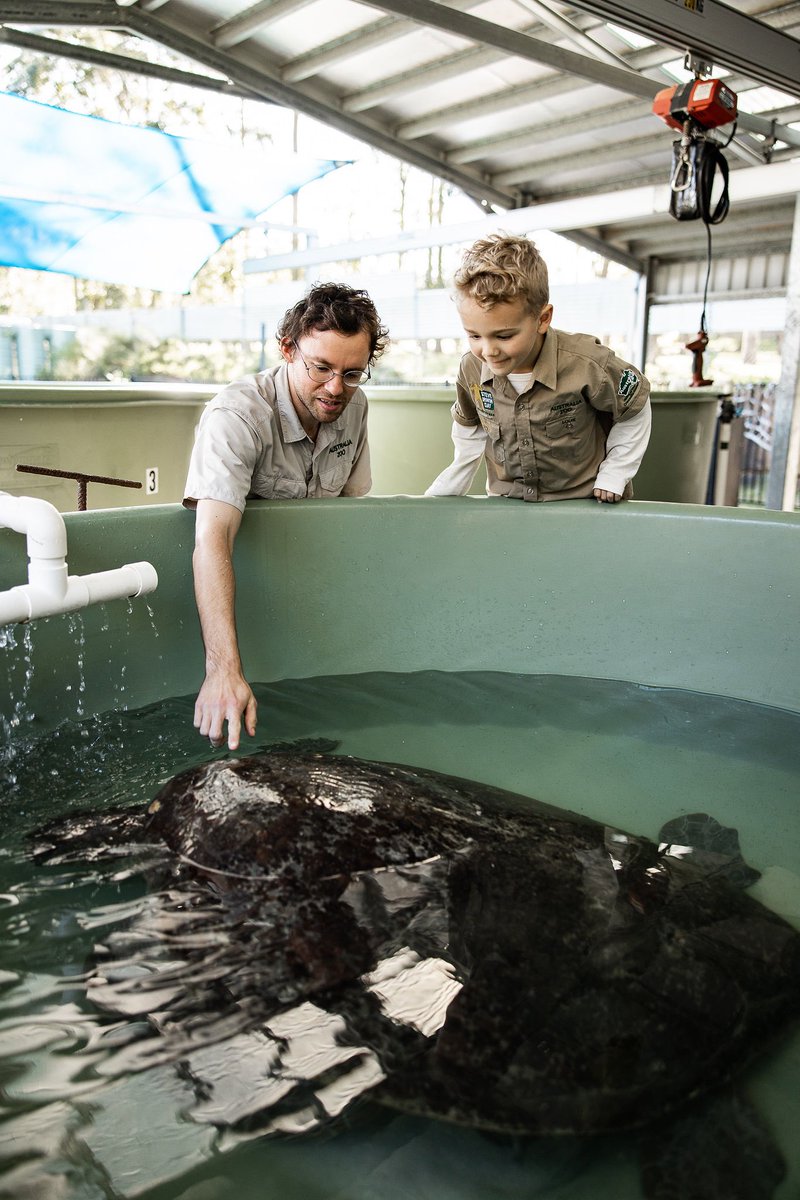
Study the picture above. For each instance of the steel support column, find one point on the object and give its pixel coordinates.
(643, 306)
(785, 461)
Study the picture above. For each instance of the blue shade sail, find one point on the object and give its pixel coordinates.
(126, 204)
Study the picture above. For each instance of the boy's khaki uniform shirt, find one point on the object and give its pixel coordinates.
(548, 443)
(250, 445)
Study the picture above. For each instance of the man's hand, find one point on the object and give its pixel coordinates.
(225, 697)
(604, 497)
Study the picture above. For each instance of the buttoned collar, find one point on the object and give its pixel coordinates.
(291, 426)
(544, 369)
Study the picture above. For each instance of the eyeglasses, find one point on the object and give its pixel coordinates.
(321, 374)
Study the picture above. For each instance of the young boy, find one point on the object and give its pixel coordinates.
(557, 416)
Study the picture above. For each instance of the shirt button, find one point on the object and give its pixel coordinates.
(526, 441)
(519, 405)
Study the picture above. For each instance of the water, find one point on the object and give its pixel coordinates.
(629, 755)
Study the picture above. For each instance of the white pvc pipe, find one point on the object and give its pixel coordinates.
(50, 590)
(39, 520)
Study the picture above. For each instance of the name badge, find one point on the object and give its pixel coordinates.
(483, 397)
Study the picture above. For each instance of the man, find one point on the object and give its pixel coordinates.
(297, 430)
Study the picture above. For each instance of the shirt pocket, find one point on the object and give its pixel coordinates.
(334, 475)
(491, 426)
(559, 428)
(573, 433)
(276, 486)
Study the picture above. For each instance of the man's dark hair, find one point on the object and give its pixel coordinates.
(340, 308)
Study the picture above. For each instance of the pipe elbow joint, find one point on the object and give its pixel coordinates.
(50, 590)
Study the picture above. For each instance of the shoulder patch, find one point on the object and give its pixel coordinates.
(629, 382)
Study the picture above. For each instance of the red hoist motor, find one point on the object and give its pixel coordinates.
(707, 102)
(695, 108)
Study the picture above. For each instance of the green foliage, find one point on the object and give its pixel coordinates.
(99, 355)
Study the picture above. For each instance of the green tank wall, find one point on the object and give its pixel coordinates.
(677, 463)
(124, 430)
(667, 595)
(409, 440)
(409, 435)
(121, 431)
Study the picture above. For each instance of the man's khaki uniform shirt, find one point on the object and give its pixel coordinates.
(250, 445)
(548, 443)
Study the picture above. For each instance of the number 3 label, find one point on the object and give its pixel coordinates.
(151, 481)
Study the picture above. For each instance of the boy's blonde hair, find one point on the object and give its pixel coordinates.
(500, 268)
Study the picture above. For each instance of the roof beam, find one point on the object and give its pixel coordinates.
(359, 41)
(569, 30)
(598, 245)
(758, 217)
(714, 31)
(466, 110)
(443, 68)
(118, 62)
(563, 216)
(265, 84)
(529, 93)
(602, 155)
(382, 31)
(735, 241)
(555, 57)
(623, 149)
(439, 71)
(476, 29)
(63, 13)
(238, 29)
(535, 135)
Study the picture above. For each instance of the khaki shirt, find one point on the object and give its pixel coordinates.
(548, 443)
(250, 445)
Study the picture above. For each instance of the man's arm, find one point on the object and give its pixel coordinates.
(225, 695)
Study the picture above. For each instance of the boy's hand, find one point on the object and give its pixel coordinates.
(604, 497)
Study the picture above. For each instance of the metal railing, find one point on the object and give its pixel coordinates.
(755, 402)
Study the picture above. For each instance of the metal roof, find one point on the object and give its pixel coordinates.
(517, 102)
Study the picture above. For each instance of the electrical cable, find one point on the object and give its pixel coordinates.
(731, 136)
(703, 326)
(712, 160)
(709, 161)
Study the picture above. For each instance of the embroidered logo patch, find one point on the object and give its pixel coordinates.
(628, 386)
(483, 397)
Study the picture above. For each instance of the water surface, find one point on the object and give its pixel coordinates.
(622, 753)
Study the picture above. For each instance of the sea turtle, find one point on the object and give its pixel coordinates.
(454, 950)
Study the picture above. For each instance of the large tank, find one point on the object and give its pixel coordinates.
(660, 594)
(143, 433)
(635, 662)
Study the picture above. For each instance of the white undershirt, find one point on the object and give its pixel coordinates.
(521, 383)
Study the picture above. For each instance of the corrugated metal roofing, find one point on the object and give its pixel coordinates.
(516, 101)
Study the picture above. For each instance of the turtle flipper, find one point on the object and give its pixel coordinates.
(719, 1150)
(713, 846)
(87, 836)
